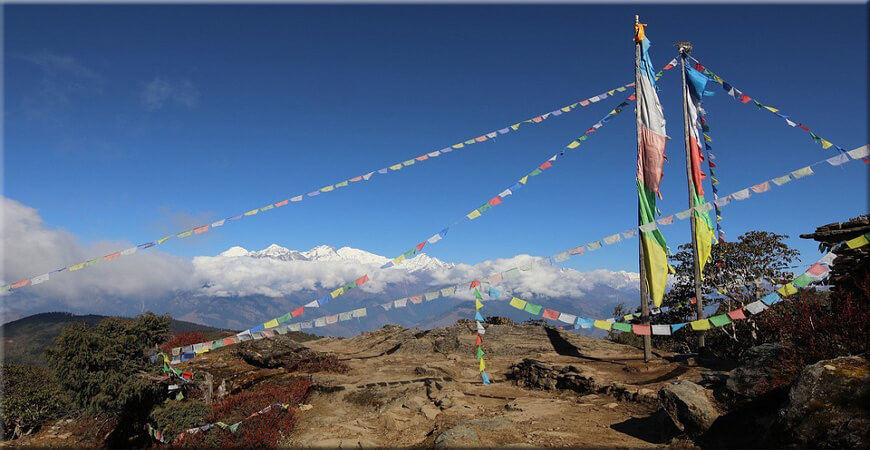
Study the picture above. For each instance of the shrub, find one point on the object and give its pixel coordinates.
(815, 326)
(259, 431)
(173, 417)
(29, 398)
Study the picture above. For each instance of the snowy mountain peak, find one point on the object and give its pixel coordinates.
(235, 251)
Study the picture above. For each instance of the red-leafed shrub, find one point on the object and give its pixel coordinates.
(257, 431)
(182, 339)
(318, 363)
(815, 326)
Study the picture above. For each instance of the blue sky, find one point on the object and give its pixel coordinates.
(133, 122)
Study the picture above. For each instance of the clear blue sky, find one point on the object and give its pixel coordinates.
(252, 104)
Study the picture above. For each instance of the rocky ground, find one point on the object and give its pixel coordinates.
(550, 388)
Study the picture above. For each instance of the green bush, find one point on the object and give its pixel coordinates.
(173, 417)
(30, 397)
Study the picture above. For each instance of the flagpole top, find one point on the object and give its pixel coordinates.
(636, 19)
(685, 47)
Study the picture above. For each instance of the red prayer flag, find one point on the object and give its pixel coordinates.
(422, 158)
(229, 341)
(546, 165)
(550, 314)
(693, 300)
(298, 311)
(745, 98)
(187, 375)
(803, 127)
(362, 280)
(817, 270)
(495, 201)
(866, 160)
(474, 283)
(480, 138)
(703, 120)
(354, 179)
(200, 230)
(642, 330)
(591, 130)
(669, 67)
(478, 341)
(420, 246)
(417, 299)
(20, 284)
(282, 203)
(115, 255)
(538, 119)
(737, 314)
(633, 97)
(699, 67)
(713, 165)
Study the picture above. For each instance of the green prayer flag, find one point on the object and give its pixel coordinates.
(535, 172)
(532, 308)
(285, 318)
(624, 327)
(803, 280)
(720, 320)
(477, 294)
(583, 138)
(235, 426)
(342, 184)
(479, 352)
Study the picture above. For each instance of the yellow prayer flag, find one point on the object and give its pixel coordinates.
(708, 138)
(771, 109)
(787, 290)
(327, 188)
(574, 144)
(477, 305)
(458, 145)
(610, 92)
(482, 365)
(524, 179)
(826, 144)
(336, 292)
(398, 259)
(515, 126)
(473, 214)
(271, 324)
(162, 240)
(718, 79)
(858, 241)
(76, 266)
(566, 109)
(518, 303)
(396, 167)
(603, 324)
(252, 212)
(699, 325)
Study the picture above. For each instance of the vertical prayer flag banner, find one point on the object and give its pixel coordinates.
(651, 139)
(695, 89)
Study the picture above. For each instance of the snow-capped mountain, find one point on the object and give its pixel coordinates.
(323, 253)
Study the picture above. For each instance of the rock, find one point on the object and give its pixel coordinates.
(828, 408)
(688, 406)
(305, 407)
(536, 374)
(752, 378)
(611, 405)
(458, 437)
(272, 353)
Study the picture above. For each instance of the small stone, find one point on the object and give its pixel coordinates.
(829, 367)
(611, 405)
(305, 407)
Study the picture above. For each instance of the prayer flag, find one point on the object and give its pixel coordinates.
(298, 311)
(787, 290)
(602, 324)
(802, 281)
(624, 327)
(859, 241)
(742, 194)
(736, 314)
(761, 187)
(641, 330)
(473, 214)
(661, 330)
(779, 181)
(755, 307)
(800, 173)
(362, 280)
(576, 250)
(700, 325)
(816, 270)
(271, 324)
(550, 314)
(720, 320)
(567, 318)
(532, 308)
(518, 303)
(859, 152)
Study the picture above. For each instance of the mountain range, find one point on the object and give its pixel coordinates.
(239, 288)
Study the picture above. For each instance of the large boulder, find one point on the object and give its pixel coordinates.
(689, 407)
(829, 406)
(754, 376)
(272, 353)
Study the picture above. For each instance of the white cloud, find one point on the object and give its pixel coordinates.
(30, 248)
(159, 92)
(63, 79)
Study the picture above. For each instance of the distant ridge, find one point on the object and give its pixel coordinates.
(25, 339)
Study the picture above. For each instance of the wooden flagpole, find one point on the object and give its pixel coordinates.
(685, 48)
(644, 291)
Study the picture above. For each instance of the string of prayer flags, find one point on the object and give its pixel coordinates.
(738, 95)
(394, 167)
(480, 330)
